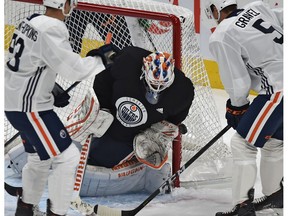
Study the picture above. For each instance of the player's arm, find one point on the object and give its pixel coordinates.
(184, 92)
(279, 15)
(183, 108)
(103, 84)
(235, 79)
(59, 56)
(233, 71)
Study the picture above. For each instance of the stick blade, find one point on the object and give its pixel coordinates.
(13, 191)
(106, 211)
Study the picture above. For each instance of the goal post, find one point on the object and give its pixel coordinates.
(150, 25)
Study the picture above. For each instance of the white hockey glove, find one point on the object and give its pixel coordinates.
(152, 145)
(87, 119)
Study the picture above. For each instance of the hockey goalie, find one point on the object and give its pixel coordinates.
(133, 112)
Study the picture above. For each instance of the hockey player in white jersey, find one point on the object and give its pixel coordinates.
(40, 50)
(248, 46)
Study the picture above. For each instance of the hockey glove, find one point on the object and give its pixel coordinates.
(152, 145)
(234, 114)
(61, 97)
(107, 53)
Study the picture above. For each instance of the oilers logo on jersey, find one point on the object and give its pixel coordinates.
(130, 112)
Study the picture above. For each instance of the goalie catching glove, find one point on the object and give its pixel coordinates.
(88, 119)
(107, 53)
(152, 145)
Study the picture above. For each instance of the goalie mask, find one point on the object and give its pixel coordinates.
(158, 73)
(219, 4)
(60, 4)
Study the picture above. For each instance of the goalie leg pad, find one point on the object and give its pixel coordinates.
(87, 119)
(101, 181)
(18, 158)
(155, 178)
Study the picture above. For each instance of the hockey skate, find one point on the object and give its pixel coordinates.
(49, 212)
(24, 209)
(243, 209)
(275, 200)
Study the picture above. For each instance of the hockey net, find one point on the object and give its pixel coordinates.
(154, 26)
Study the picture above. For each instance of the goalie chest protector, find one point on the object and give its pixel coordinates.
(120, 89)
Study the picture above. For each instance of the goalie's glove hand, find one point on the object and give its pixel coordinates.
(234, 114)
(61, 97)
(107, 53)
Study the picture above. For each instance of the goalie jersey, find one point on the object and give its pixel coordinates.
(252, 38)
(120, 90)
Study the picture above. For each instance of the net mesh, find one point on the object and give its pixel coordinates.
(153, 26)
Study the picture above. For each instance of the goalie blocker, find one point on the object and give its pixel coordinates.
(88, 119)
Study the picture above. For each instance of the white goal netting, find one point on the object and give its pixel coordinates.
(153, 26)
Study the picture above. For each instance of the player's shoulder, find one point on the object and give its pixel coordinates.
(45, 23)
(182, 80)
(135, 51)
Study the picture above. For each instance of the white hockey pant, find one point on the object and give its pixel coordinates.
(245, 167)
(60, 180)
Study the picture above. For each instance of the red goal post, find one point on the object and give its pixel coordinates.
(164, 27)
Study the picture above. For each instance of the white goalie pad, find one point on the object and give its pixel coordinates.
(125, 178)
(128, 177)
(18, 158)
(152, 145)
(87, 118)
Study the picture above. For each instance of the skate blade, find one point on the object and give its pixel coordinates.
(270, 212)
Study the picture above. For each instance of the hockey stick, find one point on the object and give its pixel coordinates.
(86, 208)
(80, 175)
(7, 144)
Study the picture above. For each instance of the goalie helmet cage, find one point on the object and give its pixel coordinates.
(154, 26)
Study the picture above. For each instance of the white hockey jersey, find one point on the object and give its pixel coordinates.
(250, 40)
(40, 50)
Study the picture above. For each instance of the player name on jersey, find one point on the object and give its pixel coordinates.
(27, 30)
(244, 19)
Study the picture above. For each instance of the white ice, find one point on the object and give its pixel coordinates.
(203, 201)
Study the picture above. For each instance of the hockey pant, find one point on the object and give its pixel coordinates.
(245, 167)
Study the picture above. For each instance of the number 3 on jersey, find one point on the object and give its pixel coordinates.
(269, 30)
(16, 48)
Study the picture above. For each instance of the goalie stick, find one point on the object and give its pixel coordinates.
(86, 208)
